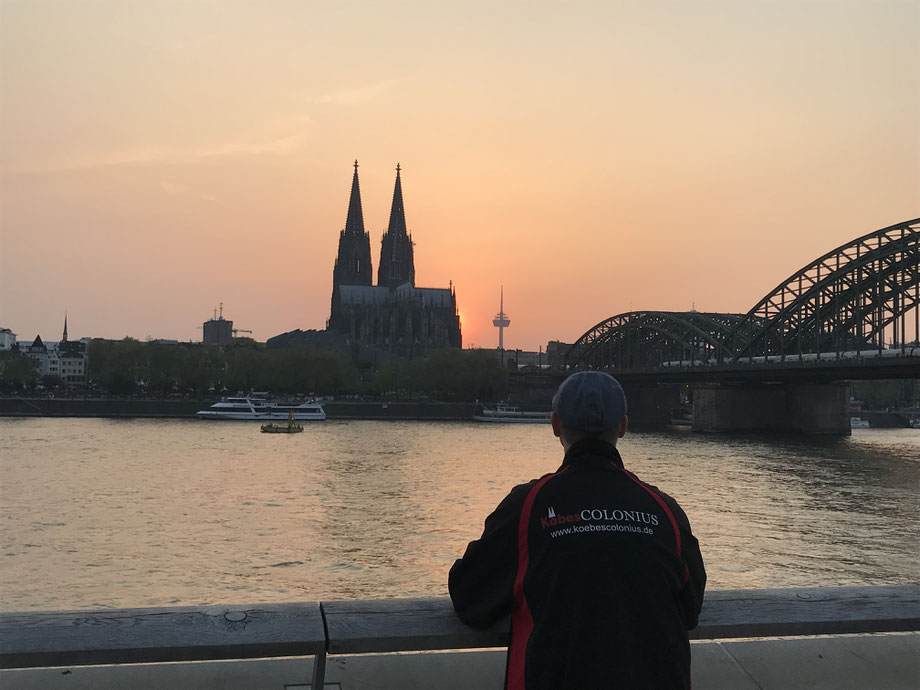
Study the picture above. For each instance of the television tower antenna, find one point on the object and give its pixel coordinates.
(501, 322)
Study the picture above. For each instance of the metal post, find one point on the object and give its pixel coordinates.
(858, 295)
(319, 671)
(879, 311)
(818, 299)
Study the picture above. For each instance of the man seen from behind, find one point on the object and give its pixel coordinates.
(600, 571)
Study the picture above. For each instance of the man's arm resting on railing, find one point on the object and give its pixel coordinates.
(481, 584)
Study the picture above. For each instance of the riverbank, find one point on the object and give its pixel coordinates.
(99, 407)
(186, 409)
(403, 410)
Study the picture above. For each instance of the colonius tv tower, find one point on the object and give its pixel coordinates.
(501, 322)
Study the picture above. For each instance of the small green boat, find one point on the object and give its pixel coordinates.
(281, 428)
(288, 427)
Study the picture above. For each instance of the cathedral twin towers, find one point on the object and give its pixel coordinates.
(394, 316)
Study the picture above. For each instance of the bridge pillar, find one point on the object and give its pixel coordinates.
(806, 408)
(654, 406)
(819, 408)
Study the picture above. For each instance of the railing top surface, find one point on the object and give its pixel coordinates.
(53, 638)
(220, 632)
(417, 624)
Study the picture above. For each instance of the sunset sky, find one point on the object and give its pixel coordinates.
(158, 158)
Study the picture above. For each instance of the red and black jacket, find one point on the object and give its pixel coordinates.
(599, 571)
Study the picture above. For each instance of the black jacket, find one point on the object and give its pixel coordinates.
(599, 571)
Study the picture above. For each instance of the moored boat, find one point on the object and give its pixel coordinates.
(511, 414)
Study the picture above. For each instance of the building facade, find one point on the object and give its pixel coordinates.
(65, 359)
(217, 331)
(7, 339)
(394, 315)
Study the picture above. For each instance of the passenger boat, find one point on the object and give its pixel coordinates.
(257, 408)
(510, 414)
(859, 423)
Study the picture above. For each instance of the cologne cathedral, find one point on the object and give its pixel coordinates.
(394, 315)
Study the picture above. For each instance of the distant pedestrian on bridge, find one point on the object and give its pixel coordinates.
(599, 571)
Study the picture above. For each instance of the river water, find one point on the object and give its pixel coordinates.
(122, 513)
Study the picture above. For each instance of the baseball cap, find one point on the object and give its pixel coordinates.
(590, 401)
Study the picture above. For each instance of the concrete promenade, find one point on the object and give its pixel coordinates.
(889, 661)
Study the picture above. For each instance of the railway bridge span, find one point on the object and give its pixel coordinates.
(851, 314)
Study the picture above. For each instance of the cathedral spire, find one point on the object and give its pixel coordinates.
(397, 212)
(354, 223)
(397, 265)
(64, 339)
(353, 262)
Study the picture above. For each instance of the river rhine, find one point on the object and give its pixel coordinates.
(121, 513)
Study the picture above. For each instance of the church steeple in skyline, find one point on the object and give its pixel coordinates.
(354, 222)
(353, 262)
(397, 223)
(397, 263)
(64, 339)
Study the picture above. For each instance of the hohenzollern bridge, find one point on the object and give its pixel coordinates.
(853, 313)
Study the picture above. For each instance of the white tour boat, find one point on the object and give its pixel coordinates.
(255, 408)
(510, 414)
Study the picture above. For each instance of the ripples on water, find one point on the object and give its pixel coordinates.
(121, 513)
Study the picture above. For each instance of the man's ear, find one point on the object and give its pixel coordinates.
(621, 430)
(556, 423)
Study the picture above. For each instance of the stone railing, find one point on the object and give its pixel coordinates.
(123, 636)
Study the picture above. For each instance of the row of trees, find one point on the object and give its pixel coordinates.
(121, 367)
(447, 374)
(128, 366)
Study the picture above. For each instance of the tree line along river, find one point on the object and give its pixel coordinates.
(125, 513)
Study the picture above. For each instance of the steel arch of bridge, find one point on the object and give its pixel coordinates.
(845, 300)
(642, 339)
(848, 299)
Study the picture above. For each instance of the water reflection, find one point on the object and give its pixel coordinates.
(153, 512)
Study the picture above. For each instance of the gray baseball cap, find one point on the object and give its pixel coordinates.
(590, 401)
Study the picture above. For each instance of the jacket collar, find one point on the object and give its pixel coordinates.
(590, 449)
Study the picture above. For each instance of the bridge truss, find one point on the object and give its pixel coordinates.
(645, 339)
(856, 297)
(863, 295)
